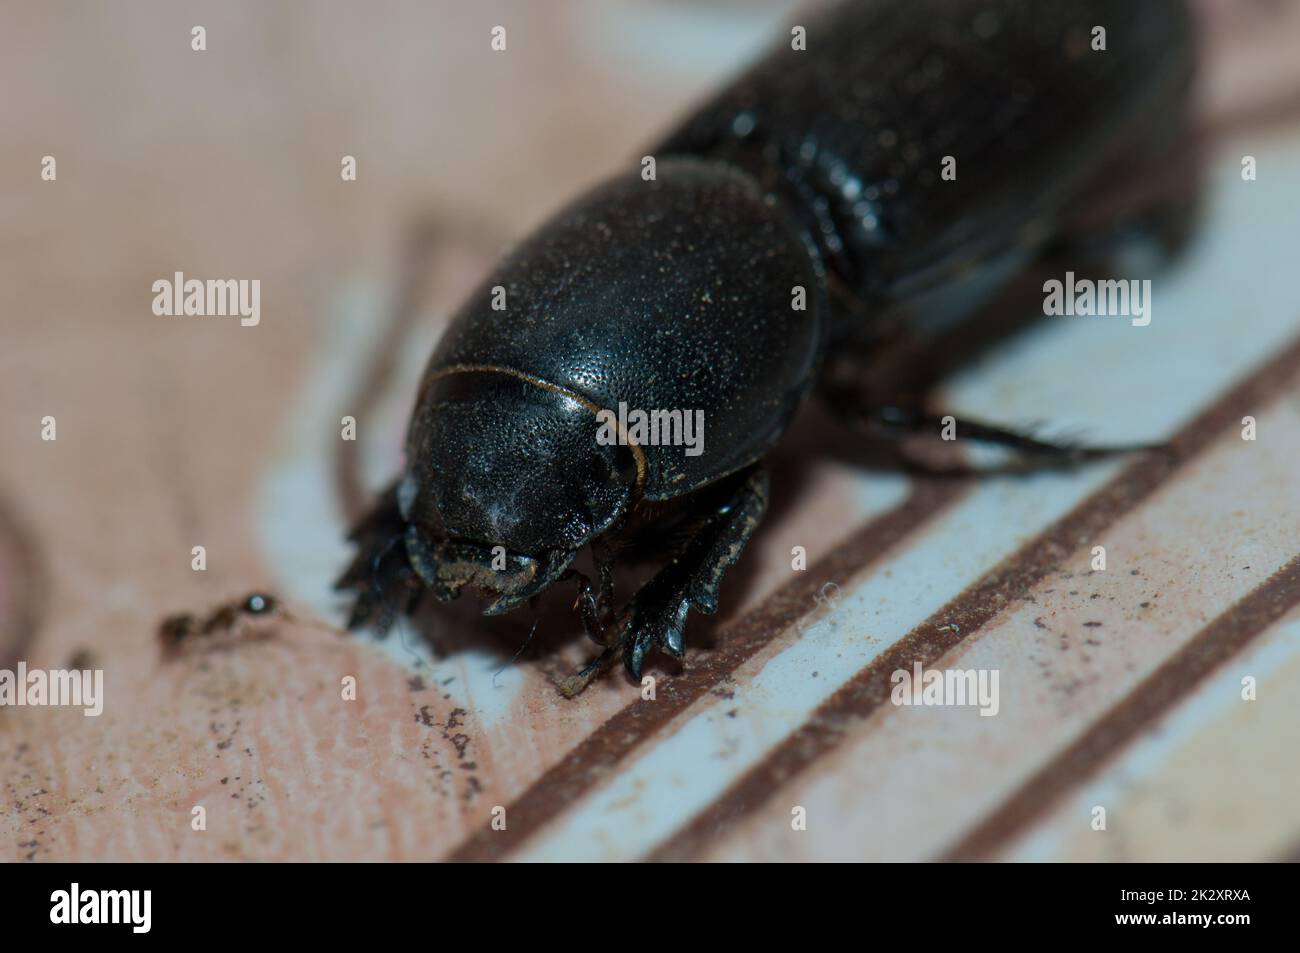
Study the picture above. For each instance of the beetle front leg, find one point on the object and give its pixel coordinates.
(596, 604)
(383, 579)
(657, 613)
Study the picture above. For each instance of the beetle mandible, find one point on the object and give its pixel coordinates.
(819, 170)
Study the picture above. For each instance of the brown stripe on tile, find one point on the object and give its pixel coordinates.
(591, 761)
(1158, 693)
(965, 615)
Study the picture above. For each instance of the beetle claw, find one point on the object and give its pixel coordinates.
(633, 657)
(658, 621)
(656, 615)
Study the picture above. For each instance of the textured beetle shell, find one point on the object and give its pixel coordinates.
(854, 129)
(672, 294)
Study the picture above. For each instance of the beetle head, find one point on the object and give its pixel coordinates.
(498, 460)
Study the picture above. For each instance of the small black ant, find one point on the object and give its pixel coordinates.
(185, 626)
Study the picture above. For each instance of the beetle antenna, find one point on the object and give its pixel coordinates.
(518, 652)
(401, 634)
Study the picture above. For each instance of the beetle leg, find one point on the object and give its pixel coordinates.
(392, 587)
(596, 603)
(604, 558)
(370, 535)
(910, 420)
(381, 575)
(574, 684)
(587, 605)
(658, 612)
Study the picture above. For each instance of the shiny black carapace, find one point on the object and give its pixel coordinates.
(893, 166)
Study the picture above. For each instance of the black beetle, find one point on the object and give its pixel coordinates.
(818, 178)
